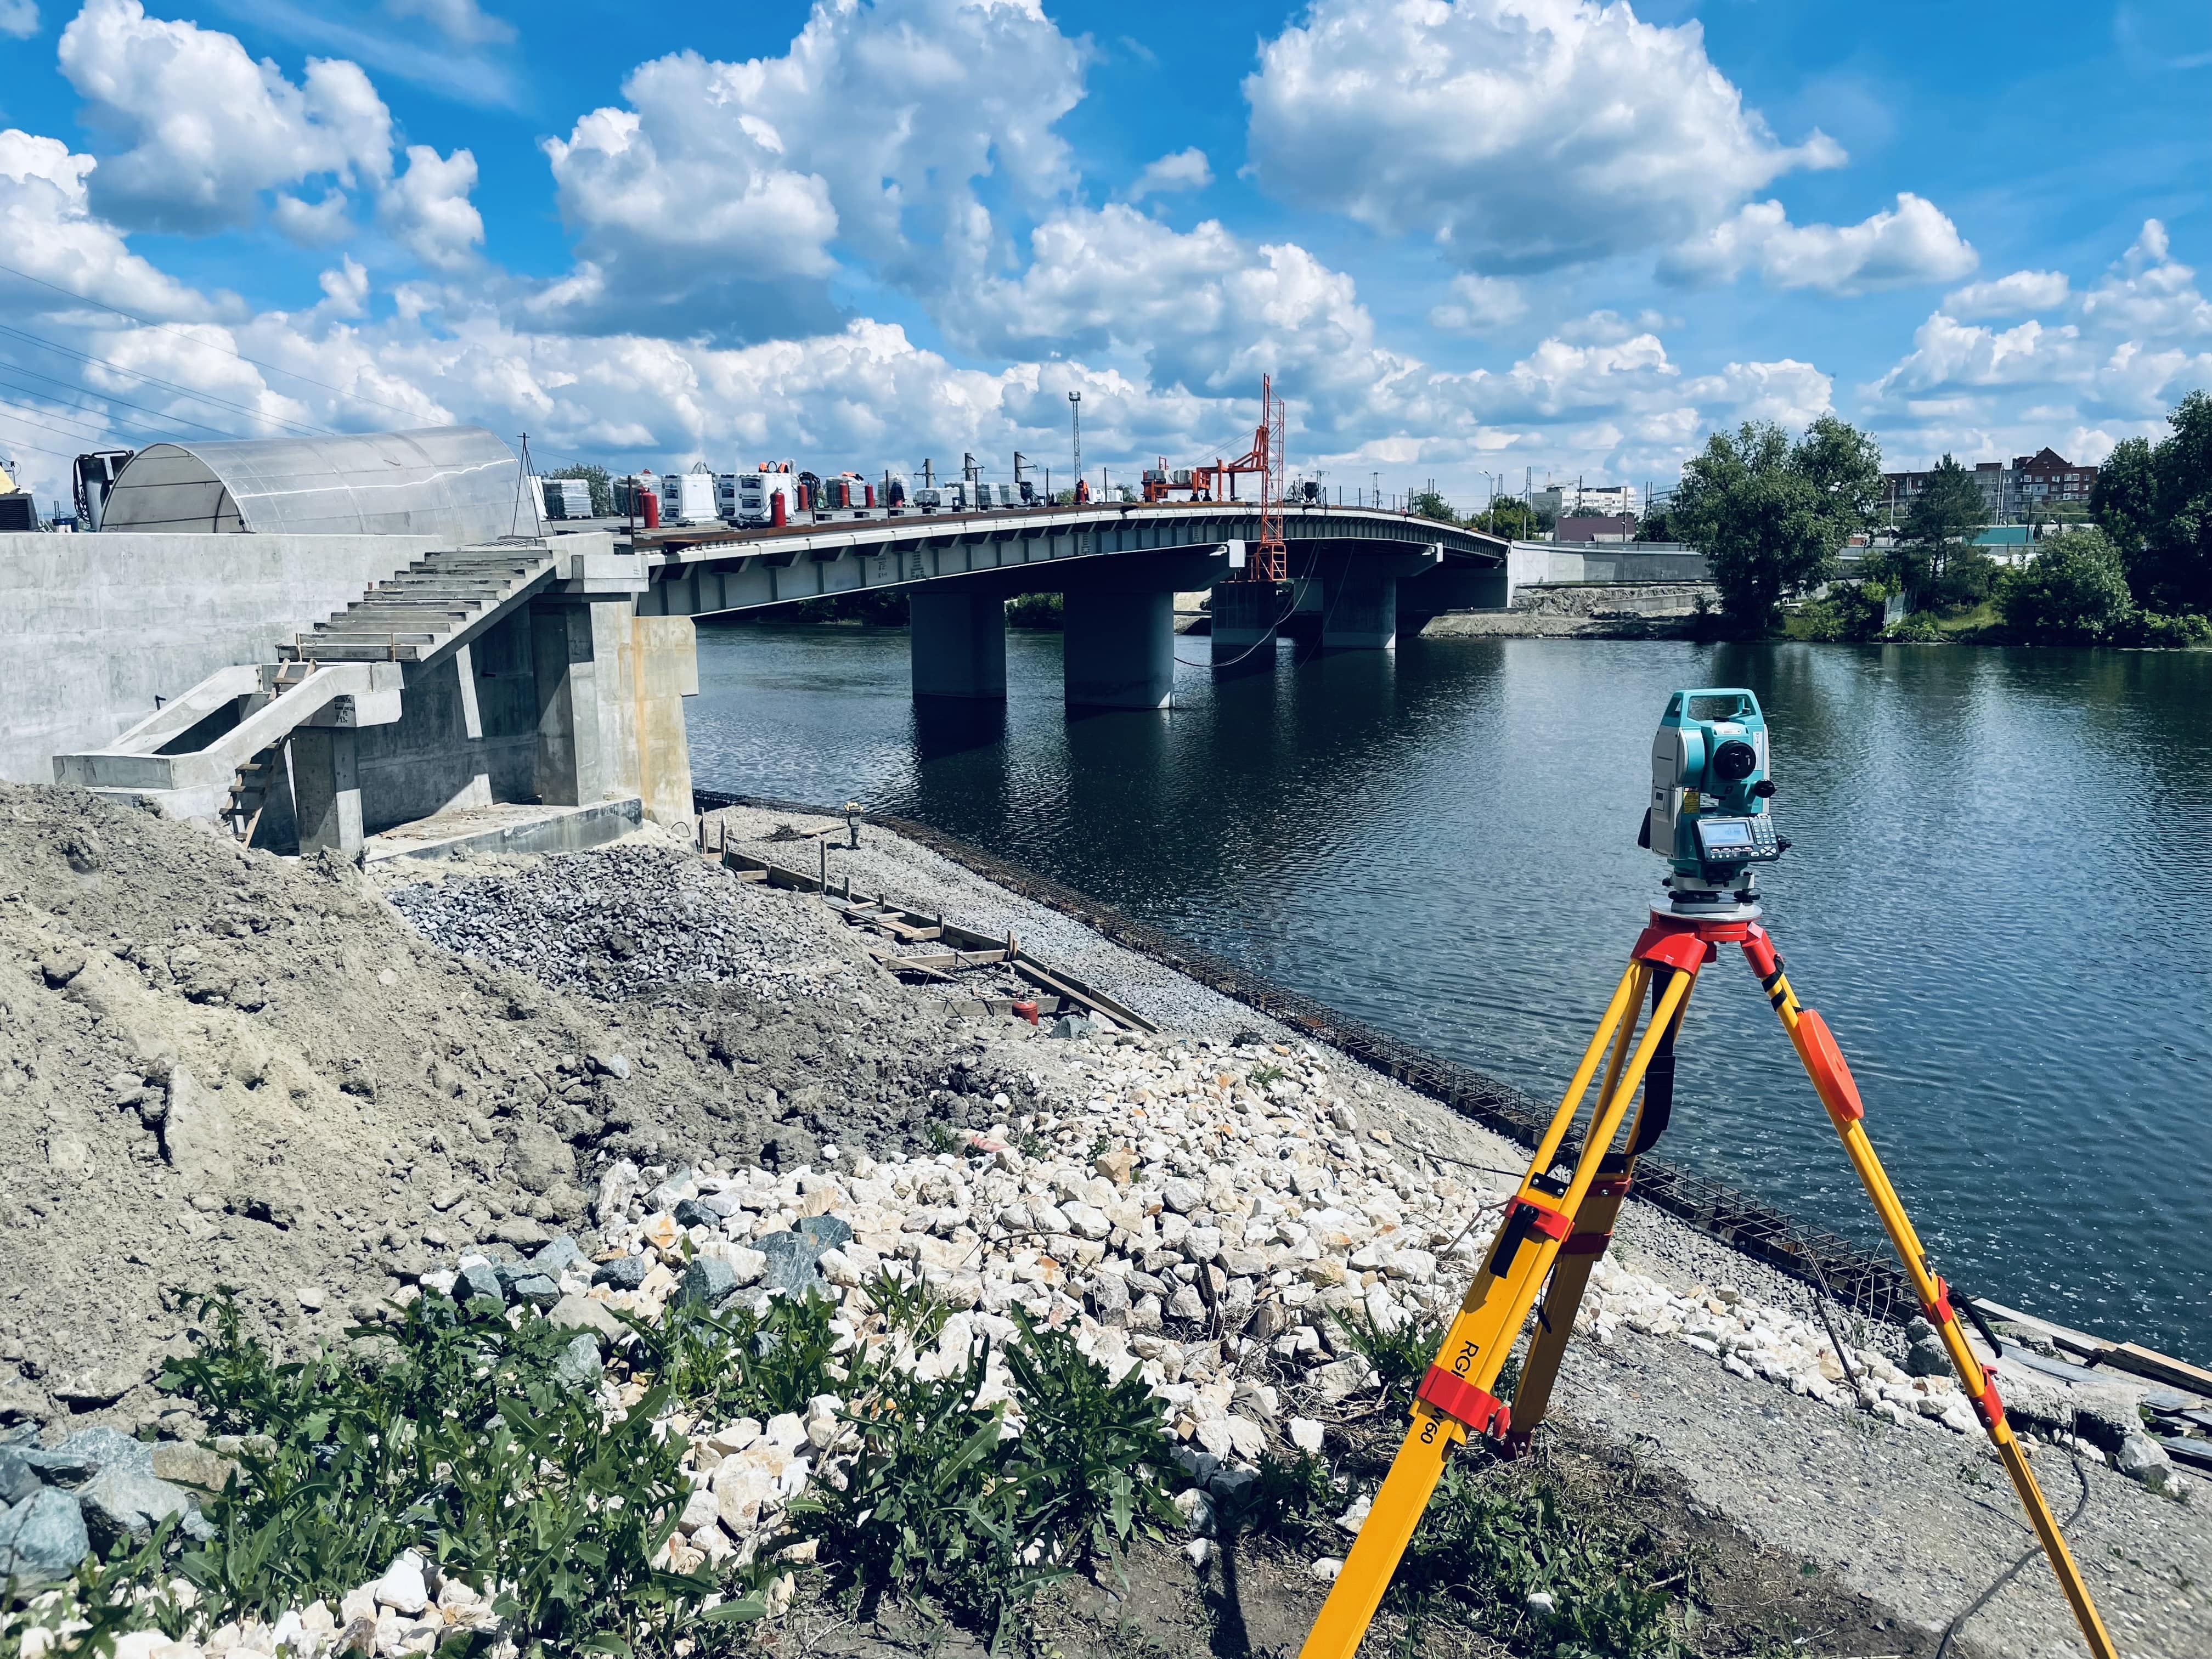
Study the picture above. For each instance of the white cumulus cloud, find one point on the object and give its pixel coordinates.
(1186, 169)
(1479, 304)
(1519, 134)
(207, 129)
(1914, 242)
(427, 207)
(714, 196)
(19, 18)
(2012, 295)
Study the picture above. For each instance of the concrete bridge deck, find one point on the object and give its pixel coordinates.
(1119, 565)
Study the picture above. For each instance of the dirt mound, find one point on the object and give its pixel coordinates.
(222, 1067)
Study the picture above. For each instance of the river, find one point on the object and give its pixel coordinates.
(2000, 894)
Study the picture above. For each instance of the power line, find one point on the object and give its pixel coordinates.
(304, 428)
(167, 328)
(104, 398)
(17, 443)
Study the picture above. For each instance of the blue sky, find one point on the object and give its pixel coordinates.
(1473, 238)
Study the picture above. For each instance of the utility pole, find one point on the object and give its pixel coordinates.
(1020, 461)
(1075, 428)
(968, 467)
(928, 476)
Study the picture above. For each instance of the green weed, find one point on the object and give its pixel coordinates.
(1267, 1074)
(1492, 1537)
(454, 1436)
(1400, 1356)
(1293, 1499)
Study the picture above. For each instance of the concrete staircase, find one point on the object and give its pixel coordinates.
(438, 602)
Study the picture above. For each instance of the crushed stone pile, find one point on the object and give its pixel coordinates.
(623, 919)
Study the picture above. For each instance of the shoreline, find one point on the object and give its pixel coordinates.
(636, 1007)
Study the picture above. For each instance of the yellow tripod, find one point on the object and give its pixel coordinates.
(1560, 1228)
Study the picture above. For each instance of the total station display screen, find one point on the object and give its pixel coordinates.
(1725, 834)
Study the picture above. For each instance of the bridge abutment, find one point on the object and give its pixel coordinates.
(957, 645)
(1244, 618)
(1120, 649)
(567, 657)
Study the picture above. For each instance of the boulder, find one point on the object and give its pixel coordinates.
(705, 1282)
(18, 1481)
(582, 1313)
(579, 1364)
(540, 1160)
(791, 1262)
(827, 1231)
(624, 1272)
(2143, 1459)
(88, 1453)
(690, 1212)
(479, 1277)
(559, 1255)
(122, 1502)
(42, 1538)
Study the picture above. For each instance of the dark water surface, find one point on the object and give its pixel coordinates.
(2001, 893)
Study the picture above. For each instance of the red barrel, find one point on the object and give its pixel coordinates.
(1027, 1011)
(777, 514)
(872, 494)
(648, 508)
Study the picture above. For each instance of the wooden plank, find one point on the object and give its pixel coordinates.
(1076, 991)
(948, 959)
(2164, 1368)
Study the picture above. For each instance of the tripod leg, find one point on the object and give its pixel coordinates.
(1832, 1081)
(1593, 1224)
(1454, 1397)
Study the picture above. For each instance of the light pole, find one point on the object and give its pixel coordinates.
(1075, 428)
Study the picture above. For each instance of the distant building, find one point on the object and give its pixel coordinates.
(2012, 492)
(1585, 501)
(2047, 478)
(1596, 527)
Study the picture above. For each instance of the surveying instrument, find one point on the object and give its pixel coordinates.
(1708, 819)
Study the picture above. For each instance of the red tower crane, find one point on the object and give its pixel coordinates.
(1268, 560)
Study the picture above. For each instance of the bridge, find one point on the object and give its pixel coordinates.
(1119, 566)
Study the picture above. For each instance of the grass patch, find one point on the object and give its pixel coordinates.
(1495, 1537)
(1399, 1354)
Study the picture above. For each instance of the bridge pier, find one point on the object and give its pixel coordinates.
(1244, 615)
(957, 645)
(1120, 649)
(1360, 612)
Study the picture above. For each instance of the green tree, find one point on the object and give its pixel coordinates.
(601, 481)
(1769, 513)
(2178, 570)
(2121, 499)
(1427, 504)
(1657, 526)
(1507, 517)
(1936, 554)
(2073, 591)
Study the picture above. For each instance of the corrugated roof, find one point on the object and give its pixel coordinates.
(458, 482)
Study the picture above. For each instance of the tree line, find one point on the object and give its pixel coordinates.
(1772, 514)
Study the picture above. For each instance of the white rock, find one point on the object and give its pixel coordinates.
(1201, 1551)
(402, 1588)
(1307, 1435)
(1326, 1568)
(1541, 1600)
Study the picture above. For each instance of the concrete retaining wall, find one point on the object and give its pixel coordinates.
(1533, 563)
(94, 628)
